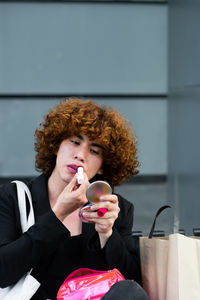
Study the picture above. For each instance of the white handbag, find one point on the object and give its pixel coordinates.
(26, 286)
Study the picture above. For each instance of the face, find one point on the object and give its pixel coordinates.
(75, 152)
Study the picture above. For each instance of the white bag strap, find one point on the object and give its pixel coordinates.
(27, 286)
(22, 191)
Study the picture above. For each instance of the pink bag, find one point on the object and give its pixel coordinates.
(87, 284)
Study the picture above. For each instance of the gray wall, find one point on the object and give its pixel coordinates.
(72, 48)
(104, 49)
(19, 118)
(184, 111)
(116, 53)
(113, 52)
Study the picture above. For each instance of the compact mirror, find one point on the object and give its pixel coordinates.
(97, 189)
(93, 193)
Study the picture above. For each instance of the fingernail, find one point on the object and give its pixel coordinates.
(93, 207)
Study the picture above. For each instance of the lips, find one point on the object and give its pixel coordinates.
(73, 168)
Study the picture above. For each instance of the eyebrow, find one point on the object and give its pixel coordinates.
(93, 144)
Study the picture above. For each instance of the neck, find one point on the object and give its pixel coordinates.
(55, 187)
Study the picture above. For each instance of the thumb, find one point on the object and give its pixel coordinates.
(72, 184)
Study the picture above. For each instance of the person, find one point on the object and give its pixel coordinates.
(77, 132)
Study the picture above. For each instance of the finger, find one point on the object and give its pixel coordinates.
(108, 224)
(110, 206)
(71, 185)
(93, 216)
(74, 186)
(112, 198)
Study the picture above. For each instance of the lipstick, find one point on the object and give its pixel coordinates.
(101, 212)
(80, 177)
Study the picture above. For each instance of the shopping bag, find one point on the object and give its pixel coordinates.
(183, 276)
(170, 266)
(88, 284)
(154, 259)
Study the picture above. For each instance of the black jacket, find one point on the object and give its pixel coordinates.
(48, 248)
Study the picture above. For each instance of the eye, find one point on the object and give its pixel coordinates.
(75, 142)
(94, 151)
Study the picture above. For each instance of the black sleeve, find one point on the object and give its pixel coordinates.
(21, 252)
(120, 250)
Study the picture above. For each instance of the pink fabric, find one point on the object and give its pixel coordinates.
(87, 284)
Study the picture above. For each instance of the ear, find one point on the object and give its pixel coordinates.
(100, 172)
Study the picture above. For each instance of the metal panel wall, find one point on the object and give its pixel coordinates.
(74, 48)
(112, 51)
(184, 111)
(116, 53)
(19, 119)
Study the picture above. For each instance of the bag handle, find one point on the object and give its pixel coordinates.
(22, 191)
(155, 218)
(82, 272)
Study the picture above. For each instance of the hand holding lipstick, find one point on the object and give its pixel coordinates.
(71, 198)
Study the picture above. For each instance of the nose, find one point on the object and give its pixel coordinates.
(81, 153)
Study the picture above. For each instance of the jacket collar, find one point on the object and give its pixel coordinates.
(39, 192)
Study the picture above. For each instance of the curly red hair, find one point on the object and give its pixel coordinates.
(104, 125)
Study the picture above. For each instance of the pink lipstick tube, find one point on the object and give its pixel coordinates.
(101, 212)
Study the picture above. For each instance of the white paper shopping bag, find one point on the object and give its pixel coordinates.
(170, 266)
(154, 259)
(183, 274)
(154, 262)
